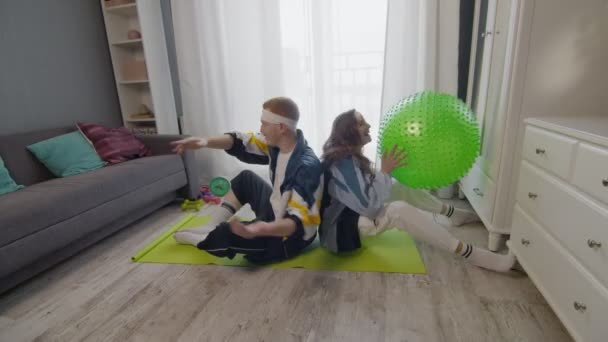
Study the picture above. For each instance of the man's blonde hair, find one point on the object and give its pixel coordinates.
(283, 106)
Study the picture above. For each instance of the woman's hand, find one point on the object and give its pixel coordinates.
(393, 159)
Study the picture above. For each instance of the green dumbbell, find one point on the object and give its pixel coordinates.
(192, 204)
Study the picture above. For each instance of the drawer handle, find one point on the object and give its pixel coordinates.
(605, 182)
(525, 242)
(540, 151)
(478, 192)
(580, 307)
(532, 195)
(594, 244)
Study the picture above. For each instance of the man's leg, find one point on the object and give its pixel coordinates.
(222, 242)
(249, 188)
(246, 187)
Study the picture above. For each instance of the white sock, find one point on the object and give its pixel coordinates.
(218, 215)
(192, 236)
(188, 238)
(486, 259)
(458, 216)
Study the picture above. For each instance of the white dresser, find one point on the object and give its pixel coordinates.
(532, 58)
(560, 221)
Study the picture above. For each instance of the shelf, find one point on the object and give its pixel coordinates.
(127, 10)
(131, 43)
(141, 71)
(135, 82)
(144, 131)
(141, 120)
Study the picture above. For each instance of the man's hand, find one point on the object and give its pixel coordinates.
(240, 229)
(282, 227)
(250, 231)
(191, 143)
(259, 228)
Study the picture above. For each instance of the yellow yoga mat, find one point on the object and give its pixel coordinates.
(392, 251)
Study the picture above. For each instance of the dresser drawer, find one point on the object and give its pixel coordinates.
(579, 301)
(480, 191)
(550, 151)
(591, 171)
(580, 225)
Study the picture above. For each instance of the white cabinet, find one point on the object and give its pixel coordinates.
(136, 38)
(527, 61)
(488, 86)
(489, 81)
(560, 222)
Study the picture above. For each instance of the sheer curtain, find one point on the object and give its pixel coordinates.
(234, 54)
(421, 49)
(328, 55)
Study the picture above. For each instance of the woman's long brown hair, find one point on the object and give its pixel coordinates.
(344, 141)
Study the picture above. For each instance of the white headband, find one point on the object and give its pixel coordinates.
(273, 118)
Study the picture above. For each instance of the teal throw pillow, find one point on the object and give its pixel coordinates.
(7, 184)
(66, 155)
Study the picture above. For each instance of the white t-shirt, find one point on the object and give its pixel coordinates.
(278, 202)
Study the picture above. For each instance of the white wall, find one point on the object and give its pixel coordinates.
(55, 66)
(447, 47)
(567, 69)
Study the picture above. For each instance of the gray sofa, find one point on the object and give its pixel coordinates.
(53, 218)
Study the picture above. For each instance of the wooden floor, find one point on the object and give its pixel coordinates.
(99, 295)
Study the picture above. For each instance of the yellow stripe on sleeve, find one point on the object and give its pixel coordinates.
(307, 220)
(260, 144)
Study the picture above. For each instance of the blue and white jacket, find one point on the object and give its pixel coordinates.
(348, 194)
(302, 177)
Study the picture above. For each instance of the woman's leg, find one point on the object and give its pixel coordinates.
(422, 199)
(420, 226)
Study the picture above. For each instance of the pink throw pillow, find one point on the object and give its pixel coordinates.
(114, 145)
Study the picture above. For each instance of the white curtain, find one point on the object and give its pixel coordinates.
(421, 49)
(328, 55)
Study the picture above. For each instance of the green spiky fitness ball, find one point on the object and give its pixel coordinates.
(440, 135)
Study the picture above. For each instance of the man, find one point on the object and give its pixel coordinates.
(287, 212)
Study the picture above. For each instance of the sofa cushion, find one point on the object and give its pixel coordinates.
(114, 145)
(24, 167)
(67, 155)
(32, 209)
(7, 184)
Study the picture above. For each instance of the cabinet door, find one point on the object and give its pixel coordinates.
(490, 83)
(482, 47)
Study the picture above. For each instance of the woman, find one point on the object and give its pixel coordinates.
(354, 199)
